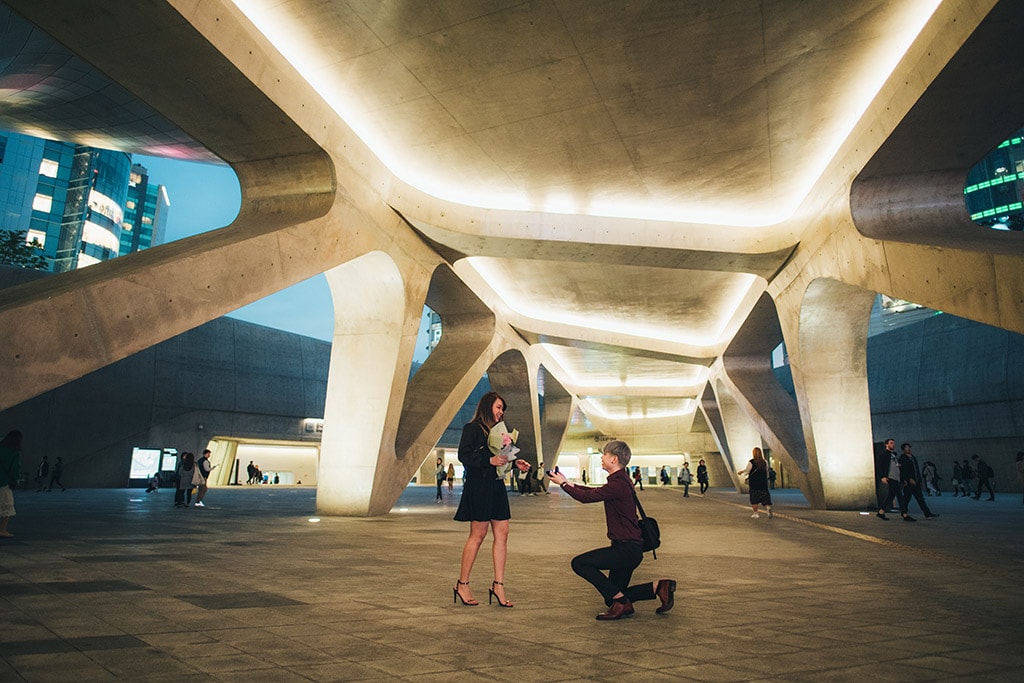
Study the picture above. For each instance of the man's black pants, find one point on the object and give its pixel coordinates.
(914, 491)
(895, 492)
(620, 559)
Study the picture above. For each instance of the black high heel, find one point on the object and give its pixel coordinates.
(457, 594)
(492, 594)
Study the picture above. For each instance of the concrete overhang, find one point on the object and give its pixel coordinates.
(621, 179)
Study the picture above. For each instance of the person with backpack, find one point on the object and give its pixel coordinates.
(624, 555)
(985, 474)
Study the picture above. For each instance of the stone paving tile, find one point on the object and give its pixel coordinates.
(68, 666)
(786, 601)
(339, 670)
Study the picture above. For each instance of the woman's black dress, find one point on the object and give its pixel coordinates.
(757, 480)
(483, 494)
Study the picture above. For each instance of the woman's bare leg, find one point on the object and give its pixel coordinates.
(499, 552)
(477, 532)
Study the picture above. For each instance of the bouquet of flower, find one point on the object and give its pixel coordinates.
(501, 441)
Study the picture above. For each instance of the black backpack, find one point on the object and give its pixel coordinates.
(649, 531)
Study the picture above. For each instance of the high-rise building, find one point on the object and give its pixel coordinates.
(145, 213)
(76, 201)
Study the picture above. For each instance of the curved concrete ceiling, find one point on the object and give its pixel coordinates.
(722, 112)
(615, 177)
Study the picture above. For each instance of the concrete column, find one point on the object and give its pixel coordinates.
(740, 430)
(378, 424)
(554, 419)
(510, 376)
(713, 418)
(370, 359)
(825, 328)
(746, 369)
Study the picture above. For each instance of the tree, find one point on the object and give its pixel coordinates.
(16, 251)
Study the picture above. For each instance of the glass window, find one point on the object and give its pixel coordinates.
(48, 168)
(36, 236)
(42, 203)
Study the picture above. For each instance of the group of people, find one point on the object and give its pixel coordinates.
(532, 480)
(191, 475)
(485, 506)
(444, 474)
(965, 472)
(43, 471)
(686, 478)
(255, 475)
(900, 476)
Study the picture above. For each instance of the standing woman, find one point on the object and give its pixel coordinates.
(10, 470)
(186, 468)
(757, 480)
(439, 476)
(451, 476)
(702, 477)
(484, 500)
(685, 478)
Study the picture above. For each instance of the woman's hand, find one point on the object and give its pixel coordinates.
(522, 464)
(498, 460)
(558, 478)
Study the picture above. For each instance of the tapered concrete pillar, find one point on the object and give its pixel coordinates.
(713, 418)
(741, 432)
(379, 425)
(554, 418)
(746, 370)
(826, 337)
(370, 359)
(510, 376)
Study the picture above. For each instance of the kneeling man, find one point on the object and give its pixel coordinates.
(626, 550)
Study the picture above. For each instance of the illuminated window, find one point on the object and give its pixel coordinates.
(146, 220)
(105, 206)
(99, 236)
(48, 168)
(130, 204)
(36, 236)
(86, 260)
(42, 203)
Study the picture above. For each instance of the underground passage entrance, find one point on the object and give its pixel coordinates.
(278, 462)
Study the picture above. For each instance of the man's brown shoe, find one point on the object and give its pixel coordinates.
(667, 594)
(618, 610)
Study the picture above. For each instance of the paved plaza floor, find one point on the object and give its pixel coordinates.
(118, 585)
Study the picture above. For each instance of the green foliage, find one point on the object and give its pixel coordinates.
(15, 251)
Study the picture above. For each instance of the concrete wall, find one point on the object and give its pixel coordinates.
(952, 388)
(224, 378)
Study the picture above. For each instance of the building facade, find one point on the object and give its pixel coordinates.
(80, 204)
(145, 215)
(995, 186)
